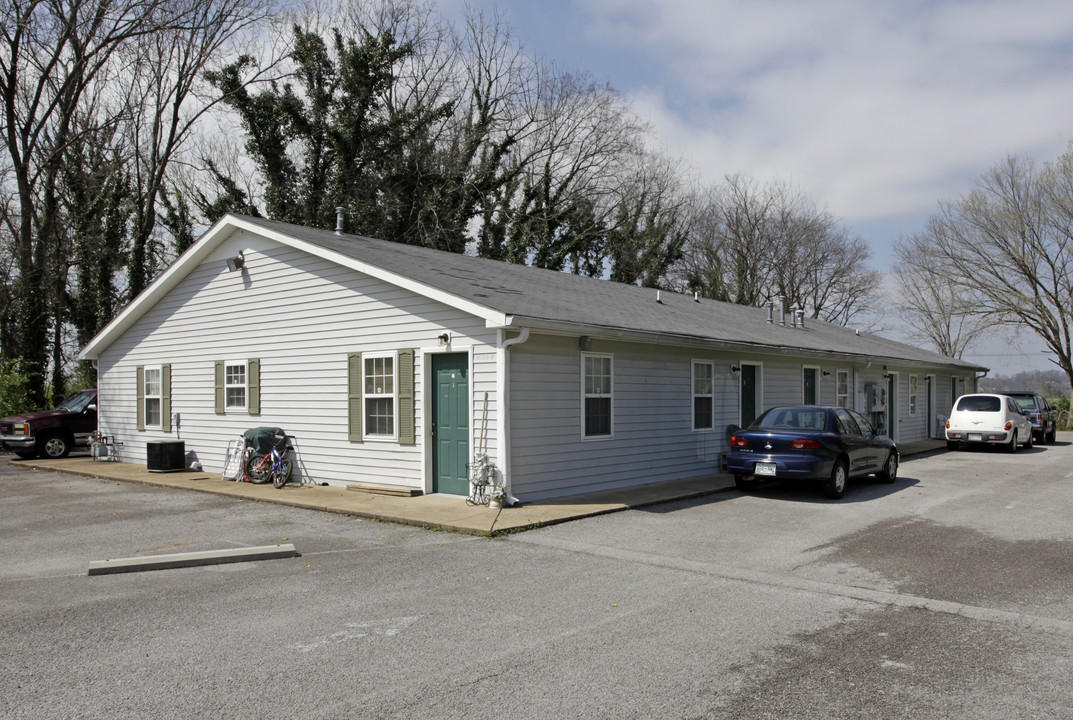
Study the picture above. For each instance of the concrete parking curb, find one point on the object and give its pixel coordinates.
(191, 559)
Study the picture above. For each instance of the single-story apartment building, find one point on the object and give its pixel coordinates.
(396, 365)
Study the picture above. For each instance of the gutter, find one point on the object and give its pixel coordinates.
(693, 341)
(503, 409)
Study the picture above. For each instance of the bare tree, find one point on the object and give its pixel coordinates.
(69, 76)
(750, 243)
(168, 98)
(1008, 245)
(940, 312)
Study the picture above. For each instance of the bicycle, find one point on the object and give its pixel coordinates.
(270, 466)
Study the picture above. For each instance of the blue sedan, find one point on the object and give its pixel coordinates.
(809, 442)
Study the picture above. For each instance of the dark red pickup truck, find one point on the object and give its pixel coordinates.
(52, 433)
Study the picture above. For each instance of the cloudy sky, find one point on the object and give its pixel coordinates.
(876, 109)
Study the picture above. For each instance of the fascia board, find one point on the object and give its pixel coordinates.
(492, 318)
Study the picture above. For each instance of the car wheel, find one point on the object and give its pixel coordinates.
(1012, 447)
(889, 473)
(1030, 441)
(835, 486)
(54, 446)
(745, 484)
(951, 444)
(1053, 434)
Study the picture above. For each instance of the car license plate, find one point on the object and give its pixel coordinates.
(975, 437)
(765, 469)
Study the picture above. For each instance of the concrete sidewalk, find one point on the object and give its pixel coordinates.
(443, 512)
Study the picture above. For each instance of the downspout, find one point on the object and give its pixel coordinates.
(503, 414)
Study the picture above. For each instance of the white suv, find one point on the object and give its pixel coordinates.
(988, 419)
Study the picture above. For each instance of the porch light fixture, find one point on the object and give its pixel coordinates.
(735, 369)
(444, 339)
(236, 263)
(826, 373)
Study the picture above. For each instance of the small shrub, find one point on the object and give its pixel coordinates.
(1061, 412)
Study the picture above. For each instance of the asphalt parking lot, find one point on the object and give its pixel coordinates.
(944, 595)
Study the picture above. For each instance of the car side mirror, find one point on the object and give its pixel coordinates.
(91, 407)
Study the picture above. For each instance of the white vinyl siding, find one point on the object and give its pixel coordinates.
(653, 419)
(320, 312)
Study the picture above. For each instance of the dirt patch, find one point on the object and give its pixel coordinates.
(959, 564)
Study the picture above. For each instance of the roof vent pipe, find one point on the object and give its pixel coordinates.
(771, 311)
(782, 310)
(339, 211)
(801, 318)
(793, 317)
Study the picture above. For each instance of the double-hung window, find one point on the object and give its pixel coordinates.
(152, 390)
(235, 385)
(912, 394)
(597, 380)
(379, 395)
(703, 395)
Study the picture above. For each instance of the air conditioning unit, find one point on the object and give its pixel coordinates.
(165, 455)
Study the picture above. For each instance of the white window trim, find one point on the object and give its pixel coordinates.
(849, 389)
(694, 395)
(394, 395)
(146, 397)
(610, 396)
(244, 407)
(819, 394)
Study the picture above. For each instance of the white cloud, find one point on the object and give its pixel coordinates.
(877, 109)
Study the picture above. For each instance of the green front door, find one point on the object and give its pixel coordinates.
(450, 424)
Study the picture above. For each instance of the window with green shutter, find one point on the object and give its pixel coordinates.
(237, 385)
(380, 397)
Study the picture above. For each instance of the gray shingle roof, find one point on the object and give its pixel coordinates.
(545, 298)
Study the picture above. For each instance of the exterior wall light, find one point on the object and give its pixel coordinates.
(444, 339)
(235, 263)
